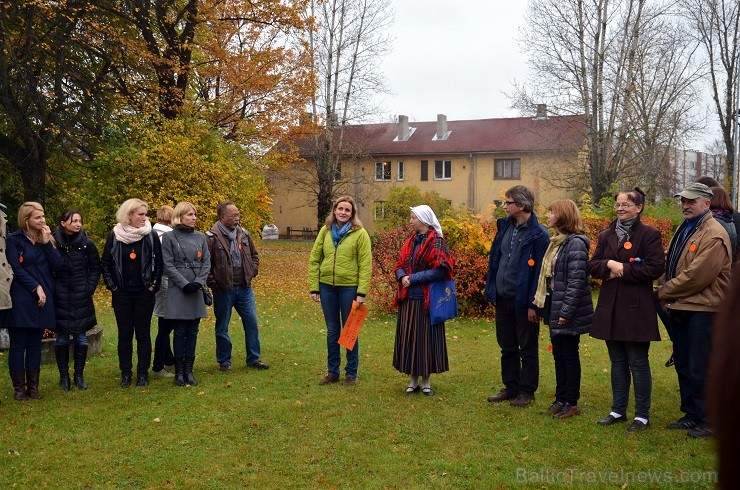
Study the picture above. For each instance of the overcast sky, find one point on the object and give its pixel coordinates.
(456, 58)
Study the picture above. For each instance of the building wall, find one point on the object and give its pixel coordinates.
(472, 183)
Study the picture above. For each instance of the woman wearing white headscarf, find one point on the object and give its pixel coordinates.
(420, 348)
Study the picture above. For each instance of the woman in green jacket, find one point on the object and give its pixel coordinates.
(339, 272)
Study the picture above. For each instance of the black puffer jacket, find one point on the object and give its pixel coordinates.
(75, 283)
(571, 292)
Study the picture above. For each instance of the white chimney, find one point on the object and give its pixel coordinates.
(441, 126)
(403, 127)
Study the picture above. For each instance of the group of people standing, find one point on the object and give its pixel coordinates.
(48, 281)
(533, 276)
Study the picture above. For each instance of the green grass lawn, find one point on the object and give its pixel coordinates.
(279, 429)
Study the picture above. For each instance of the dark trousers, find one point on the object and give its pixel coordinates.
(518, 339)
(133, 312)
(185, 337)
(691, 347)
(25, 349)
(567, 368)
(630, 363)
(162, 351)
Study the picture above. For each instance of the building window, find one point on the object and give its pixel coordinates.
(382, 170)
(507, 169)
(379, 210)
(424, 170)
(442, 169)
(399, 175)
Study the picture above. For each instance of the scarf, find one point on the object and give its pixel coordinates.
(623, 228)
(431, 254)
(546, 270)
(427, 216)
(236, 256)
(129, 234)
(338, 233)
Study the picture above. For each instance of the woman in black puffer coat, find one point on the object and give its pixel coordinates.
(74, 284)
(564, 276)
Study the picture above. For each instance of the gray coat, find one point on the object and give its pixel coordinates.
(6, 272)
(160, 300)
(186, 259)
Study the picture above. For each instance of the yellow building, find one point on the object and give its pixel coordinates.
(469, 162)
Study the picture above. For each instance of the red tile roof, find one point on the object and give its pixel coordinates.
(519, 134)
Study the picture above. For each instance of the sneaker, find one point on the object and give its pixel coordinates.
(142, 380)
(329, 378)
(682, 424)
(522, 400)
(554, 408)
(700, 432)
(163, 373)
(502, 396)
(567, 411)
(671, 361)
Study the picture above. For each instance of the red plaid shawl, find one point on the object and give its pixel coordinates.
(433, 253)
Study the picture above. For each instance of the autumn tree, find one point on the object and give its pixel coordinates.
(612, 62)
(54, 85)
(717, 27)
(347, 44)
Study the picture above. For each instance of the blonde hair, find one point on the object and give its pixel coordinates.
(123, 215)
(181, 209)
(356, 223)
(164, 214)
(24, 213)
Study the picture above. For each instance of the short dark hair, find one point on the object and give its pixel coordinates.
(221, 208)
(522, 195)
(635, 196)
(708, 181)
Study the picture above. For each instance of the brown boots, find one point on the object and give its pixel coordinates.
(26, 385)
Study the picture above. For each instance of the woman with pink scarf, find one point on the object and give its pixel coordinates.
(132, 270)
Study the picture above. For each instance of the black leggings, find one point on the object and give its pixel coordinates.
(134, 315)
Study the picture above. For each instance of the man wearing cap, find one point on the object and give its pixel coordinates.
(513, 269)
(697, 278)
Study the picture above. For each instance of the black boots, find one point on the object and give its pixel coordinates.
(19, 385)
(184, 371)
(180, 371)
(80, 359)
(32, 384)
(189, 379)
(61, 352)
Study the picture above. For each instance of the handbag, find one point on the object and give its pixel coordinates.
(207, 297)
(442, 301)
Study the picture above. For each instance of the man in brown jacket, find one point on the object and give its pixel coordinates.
(234, 263)
(697, 279)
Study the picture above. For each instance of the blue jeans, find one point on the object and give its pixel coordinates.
(691, 348)
(242, 299)
(185, 337)
(25, 349)
(78, 338)
(336, 302)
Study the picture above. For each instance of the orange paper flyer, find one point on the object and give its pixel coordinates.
(352, 328)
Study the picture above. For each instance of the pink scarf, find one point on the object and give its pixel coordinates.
(129, 234)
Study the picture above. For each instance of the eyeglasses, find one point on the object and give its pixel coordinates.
(623, 205)
(509, 203)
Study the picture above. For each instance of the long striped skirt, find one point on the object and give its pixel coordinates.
(421, 348)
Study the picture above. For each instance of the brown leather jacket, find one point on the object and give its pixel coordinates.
(703, 270)
(222, 275)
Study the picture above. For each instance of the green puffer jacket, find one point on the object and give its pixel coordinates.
(349, 264)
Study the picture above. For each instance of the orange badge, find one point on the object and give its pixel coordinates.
(20, 259)
(530, 262)
(132, 255)
(199, 254)
(240, 246)
(692, 247)
(627, 245)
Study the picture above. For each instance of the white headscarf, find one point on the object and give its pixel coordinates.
(427, 216)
